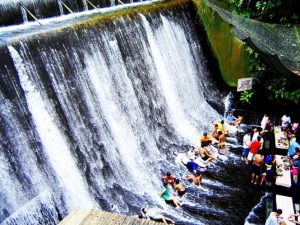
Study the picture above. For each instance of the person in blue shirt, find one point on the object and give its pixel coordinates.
(232, 120)
(294, 144)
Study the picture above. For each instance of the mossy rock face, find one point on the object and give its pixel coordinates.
(227, 48)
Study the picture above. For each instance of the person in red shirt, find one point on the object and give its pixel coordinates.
(169, 178)
(254, 148)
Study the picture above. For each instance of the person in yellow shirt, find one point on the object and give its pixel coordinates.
(220, 125)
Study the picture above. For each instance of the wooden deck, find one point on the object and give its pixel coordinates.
(98, 217)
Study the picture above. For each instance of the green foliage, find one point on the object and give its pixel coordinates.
(271, 11)
(280, 89)
(246, 96)
(267, 82)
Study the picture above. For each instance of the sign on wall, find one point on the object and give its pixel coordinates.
(244, 84)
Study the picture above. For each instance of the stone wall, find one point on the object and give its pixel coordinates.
(229, 51)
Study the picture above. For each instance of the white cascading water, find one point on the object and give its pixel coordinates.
(24, 15)
(102, 86)
(178, 78)
(61, 8)
(85, 5)
(55, 145)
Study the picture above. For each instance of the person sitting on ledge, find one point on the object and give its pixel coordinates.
(196, 179)
(179, 188)
(169, 178)
(232, 120)
(168, 196)
(274, 217)
(205, 155)
(214, 132)
(205, 140)
(156, 214)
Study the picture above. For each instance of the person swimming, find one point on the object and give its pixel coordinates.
(196, 179)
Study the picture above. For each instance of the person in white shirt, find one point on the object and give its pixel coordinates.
(191, 153)
(254, 137)
(264, 121)
(246, 144)
(274, 218)
(255, 134)
(285, 120)
(156, 214)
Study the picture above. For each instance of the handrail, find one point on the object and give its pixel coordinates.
(27, 10)
(93, 5)
(67, 7)
(122, 3)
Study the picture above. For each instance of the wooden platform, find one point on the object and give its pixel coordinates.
(98, 217)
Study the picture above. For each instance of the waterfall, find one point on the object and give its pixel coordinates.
(55, 146)
(11, 14)
(90, 117)
(24, 14)
(85, 5)
(228, 104)
(61, 8)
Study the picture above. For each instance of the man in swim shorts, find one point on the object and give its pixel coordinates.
(205, 155)
(222, 143)
(258, 162)
(179, 188)
(214, 132)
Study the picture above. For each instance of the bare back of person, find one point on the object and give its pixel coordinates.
(202, 151)
(179, 187)
(258, 160)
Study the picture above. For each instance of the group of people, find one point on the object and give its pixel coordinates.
(257, 152)
(196, 160)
